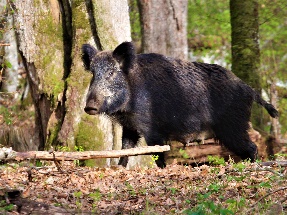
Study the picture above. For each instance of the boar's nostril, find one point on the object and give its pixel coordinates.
(91, 110)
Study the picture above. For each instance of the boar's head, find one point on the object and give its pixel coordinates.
(109, 89)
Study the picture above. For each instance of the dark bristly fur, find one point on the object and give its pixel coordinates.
(162, 98)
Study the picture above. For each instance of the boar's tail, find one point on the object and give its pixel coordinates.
(269, 107)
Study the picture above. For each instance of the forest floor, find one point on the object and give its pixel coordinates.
(219, 188)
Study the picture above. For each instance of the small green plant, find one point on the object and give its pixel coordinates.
(57, 204)
(235, 205)
(265, 184)
(64, 148)
(6, 64)
(78, 196)
(154, 158)
(215, 160)
(130, 189)
(281, 156)
(214, 188)
(38, 163)
(101, 175)
(173, 190)
(96, 196)
(183, 153)
(79, 148)
(5, 207)
(235, 178)
(239, 166)
(207, 206)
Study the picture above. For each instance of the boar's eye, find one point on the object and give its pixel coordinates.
(110, 74)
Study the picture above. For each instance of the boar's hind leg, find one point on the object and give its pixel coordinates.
(129, 140)
(236, 139)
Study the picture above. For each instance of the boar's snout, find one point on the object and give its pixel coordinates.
(92, 108)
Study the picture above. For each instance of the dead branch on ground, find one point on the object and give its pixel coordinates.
(7, 154)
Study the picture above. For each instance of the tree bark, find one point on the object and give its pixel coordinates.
(245, 48)
(164, 27)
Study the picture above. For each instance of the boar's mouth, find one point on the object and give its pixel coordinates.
(91, 110)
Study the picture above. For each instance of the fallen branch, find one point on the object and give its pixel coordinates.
(274, 163)
(8, 154)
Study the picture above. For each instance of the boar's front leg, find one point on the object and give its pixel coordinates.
(129, 140)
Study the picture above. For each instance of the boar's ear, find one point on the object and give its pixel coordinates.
(88, 52)
(125, 55)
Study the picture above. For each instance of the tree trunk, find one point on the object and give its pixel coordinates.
(245, 47)
(10, 75)
(164, 24)
(275, 126)
(50, 35)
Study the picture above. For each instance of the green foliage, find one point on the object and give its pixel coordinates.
(207, 206)
(183, 153)
(173, 190)
(96, 196)
(209, 40)
(78, 195)
(68, 149)
(130, 189)
(6, 64)
(239, 166)
(39, 163)
(5, 207)
(273, 34)
(154, 158)
(215, 160)
(209, 31)
(135, 20)
(281, 156)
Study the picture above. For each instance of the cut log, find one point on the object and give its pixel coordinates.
(8, 154)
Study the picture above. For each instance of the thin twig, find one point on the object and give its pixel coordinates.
(270, 170)
(263, 197)
(57, 163)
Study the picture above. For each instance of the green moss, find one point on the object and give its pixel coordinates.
(78, 77)
(90, 137)
(49, 59)
(105, 30)
(52, 137)
(80, 20)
